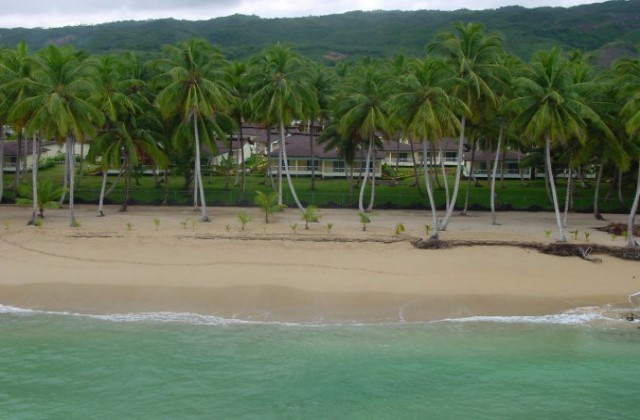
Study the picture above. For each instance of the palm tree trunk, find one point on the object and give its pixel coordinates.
(269, 173)
(432, 203)
(395, 178)
(610, 186)
(631, 242)
(195, 188)
(567, 200)
(583, 181)
(66, 174)
(227, 181)
(18, 172)
(434, 167)
(103, 189)
(244, 166)
(239, 165)
(286, 169)
(365, 176)
(546, 183)
(350, 178)
(620, 199)
(494, 175)
(127, 181)
(456, 186)
(471, 176)
(280, 161)
(416, 175)
(596, 193)
(80, 166)
(203, 216)
(504, 158)
(1, 160)
(34, 179)
(313, 166)
(71, 174)
(165, 176)
(554, 195)
(373, 182)
(445, 181)
(25, 161)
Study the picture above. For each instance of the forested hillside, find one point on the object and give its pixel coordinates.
(611, 28)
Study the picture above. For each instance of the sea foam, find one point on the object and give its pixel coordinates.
(578, 316)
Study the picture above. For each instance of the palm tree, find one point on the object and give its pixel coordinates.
(363, 109)
(15, 82)
(117, 93)
(321, 83)
(46, 198)
(268, 203)
(310, 215)
(550, 109)
(424, 110)
(280, 93)
(629, 72)
(58, 106)
(510, 66)
(237, 72)
(194, 89)
(473, 55)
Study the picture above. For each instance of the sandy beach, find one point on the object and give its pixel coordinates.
(126, 263)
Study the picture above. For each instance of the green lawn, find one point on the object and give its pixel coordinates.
(513, 194)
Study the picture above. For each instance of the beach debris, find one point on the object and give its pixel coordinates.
(586, 255)
(561, 249)
(619, 229)
(631, 317)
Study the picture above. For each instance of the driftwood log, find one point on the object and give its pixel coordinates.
(562, 249)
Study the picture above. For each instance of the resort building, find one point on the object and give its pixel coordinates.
(403, 154)
(508, 165)
(10, 158)
(324, 164)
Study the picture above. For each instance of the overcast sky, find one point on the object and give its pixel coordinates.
(56, 13)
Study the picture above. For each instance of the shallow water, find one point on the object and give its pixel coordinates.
(177, 365)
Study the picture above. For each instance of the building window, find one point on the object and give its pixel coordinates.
(313, 164)
(403, 157)
(338, 166)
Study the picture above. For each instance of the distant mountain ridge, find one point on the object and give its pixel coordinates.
(610, 29)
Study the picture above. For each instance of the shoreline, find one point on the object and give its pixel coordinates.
(122, 264)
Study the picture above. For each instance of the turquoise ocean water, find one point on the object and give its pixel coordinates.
(164, 365)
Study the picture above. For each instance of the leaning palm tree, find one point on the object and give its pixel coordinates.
(549, 109)
(629, 73)
(424, 110)
(117, 93)
(363, 107)
(194, 89)
(280, 93)
(473, 56)
(57, 106)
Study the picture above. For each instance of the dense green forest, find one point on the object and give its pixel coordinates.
(611, 29)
